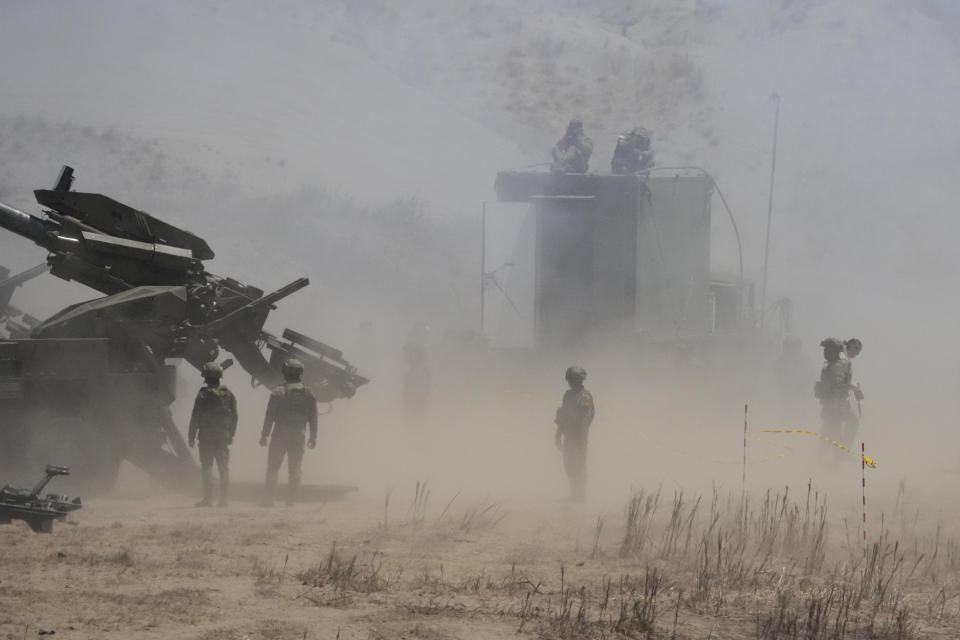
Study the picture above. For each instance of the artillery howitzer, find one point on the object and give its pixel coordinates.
(92, 382)
(38, 511)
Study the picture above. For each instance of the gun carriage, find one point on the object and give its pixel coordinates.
(92, 385)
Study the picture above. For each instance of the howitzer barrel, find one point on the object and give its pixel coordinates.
(24, 224)
(258, 304)
(108, 263)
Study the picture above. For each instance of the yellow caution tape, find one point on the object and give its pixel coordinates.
(786, 452)
(525, 395)
(870, 462)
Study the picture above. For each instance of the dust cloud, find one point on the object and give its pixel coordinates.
(354, 142)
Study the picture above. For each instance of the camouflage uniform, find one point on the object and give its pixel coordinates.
(632, 153)
(572, 152)
(292, 406)
(214, 423)
(573, 423)
(840, 422)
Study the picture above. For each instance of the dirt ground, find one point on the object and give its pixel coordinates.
(461, 530)
(420, 562)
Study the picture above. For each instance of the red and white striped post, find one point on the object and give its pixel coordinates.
(744, 478)
(863, 489)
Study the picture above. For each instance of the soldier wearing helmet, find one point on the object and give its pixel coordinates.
(213, 423)
(632, 153)
(573, 421)
(291, 408)
(833, 390)
(572, 152)
(852, 348)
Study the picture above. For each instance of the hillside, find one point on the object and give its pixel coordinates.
(372, 103)
(866, 146)
(266, 98)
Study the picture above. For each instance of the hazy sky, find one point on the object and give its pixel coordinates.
(355, 97)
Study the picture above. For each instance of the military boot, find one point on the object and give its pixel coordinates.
(207, 479)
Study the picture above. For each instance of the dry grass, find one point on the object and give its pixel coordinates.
(343, 574)
(484, 516)
(766, 567)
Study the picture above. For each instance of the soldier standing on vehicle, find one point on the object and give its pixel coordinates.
(840, 423)
(291, 408)
(573, 422)
(213, 423)
(572, 152)
(632, 153)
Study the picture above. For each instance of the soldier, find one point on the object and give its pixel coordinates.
(573, 421)
(292, 406)
(852, 348)
(213, 423)
(833, 390)
(572, 152)
(633, 153)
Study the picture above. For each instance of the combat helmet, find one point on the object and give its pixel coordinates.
(853, 347)
(292, 369)
(212, 370)
(832, 347)
(641, 134)
(576, 374)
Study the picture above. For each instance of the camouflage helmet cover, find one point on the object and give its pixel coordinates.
(292, 368)
(831, 344)
(576, 373)
(212, 370)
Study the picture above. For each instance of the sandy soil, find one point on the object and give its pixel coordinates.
(444, 564)
(461, 530)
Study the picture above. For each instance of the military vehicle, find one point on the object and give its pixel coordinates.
(13, 321)
(92, 385)
(568, 258)
(38, 511)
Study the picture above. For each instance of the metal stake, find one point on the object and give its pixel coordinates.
(773, 171)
